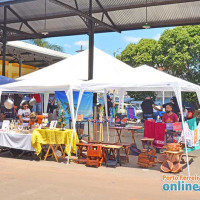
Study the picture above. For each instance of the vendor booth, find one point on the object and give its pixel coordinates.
(68, 75)
(145, 78)
(109, 73)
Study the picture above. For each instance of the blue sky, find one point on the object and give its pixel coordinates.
(108, 42)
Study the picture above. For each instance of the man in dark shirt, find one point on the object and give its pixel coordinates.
(147, 107)
(109, 104)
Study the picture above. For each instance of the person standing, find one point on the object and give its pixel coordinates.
(109, 104)
(147, 107)
(37, 107)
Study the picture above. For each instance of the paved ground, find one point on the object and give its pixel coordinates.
(26, 179)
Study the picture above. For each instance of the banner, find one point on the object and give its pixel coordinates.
(85, 108)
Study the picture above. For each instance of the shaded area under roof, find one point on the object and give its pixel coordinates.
(69, 17)
(31, 54)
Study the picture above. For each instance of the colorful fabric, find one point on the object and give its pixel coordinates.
(192, 123)
(169, 126)
(149, 129)
(156, 131)
(186, 134)
(159, 135)
(177, 126)
(46, 136)
(131, 113)
(173, 136)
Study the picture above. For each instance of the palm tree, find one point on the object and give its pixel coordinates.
(45, 44)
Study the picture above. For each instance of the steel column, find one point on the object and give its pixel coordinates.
(91, 44)
(4, 41)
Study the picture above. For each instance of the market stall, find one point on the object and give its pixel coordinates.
(146, 78)
(68, 75)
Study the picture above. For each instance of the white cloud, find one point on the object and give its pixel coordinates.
(137, 39)
(67, 45)
(84, 43)
(132, 39)
(157, 37)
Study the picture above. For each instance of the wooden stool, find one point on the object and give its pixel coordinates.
(94, 155)
(145, 141)
(81, 157)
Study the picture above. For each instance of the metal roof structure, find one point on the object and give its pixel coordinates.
(32, 55)
(30, 18)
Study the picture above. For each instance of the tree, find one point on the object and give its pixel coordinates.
(141, 95)
(139, 54)
(178, 52)
(45, 44)
(136, 55)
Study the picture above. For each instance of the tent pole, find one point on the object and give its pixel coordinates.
(163, 97)
(91, 44)
(4, 41)
(179, 99)
(20, 67)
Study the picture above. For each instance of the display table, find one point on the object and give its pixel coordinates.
(53, 137)
(16, 141)
(131, 129)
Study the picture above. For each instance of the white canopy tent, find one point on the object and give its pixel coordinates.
(68, 75)
(145, 78)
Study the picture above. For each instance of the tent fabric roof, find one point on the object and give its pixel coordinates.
(73, 72)
(109, 73)
(144, 78)
(106, 67)
(26, 20)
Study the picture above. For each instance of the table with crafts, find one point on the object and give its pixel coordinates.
(16, 139)
(131, 129)
(54, 138)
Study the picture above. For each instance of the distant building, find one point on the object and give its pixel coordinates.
(32, 58)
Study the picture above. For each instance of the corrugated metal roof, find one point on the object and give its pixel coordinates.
(125, 15)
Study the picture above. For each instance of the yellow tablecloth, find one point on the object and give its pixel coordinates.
(56, 136)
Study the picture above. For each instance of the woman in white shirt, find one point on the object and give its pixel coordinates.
(24, 114)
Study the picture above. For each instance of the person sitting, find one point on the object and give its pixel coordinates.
(169, 116)
(35, 119)
(24, 114)
(147, 107)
